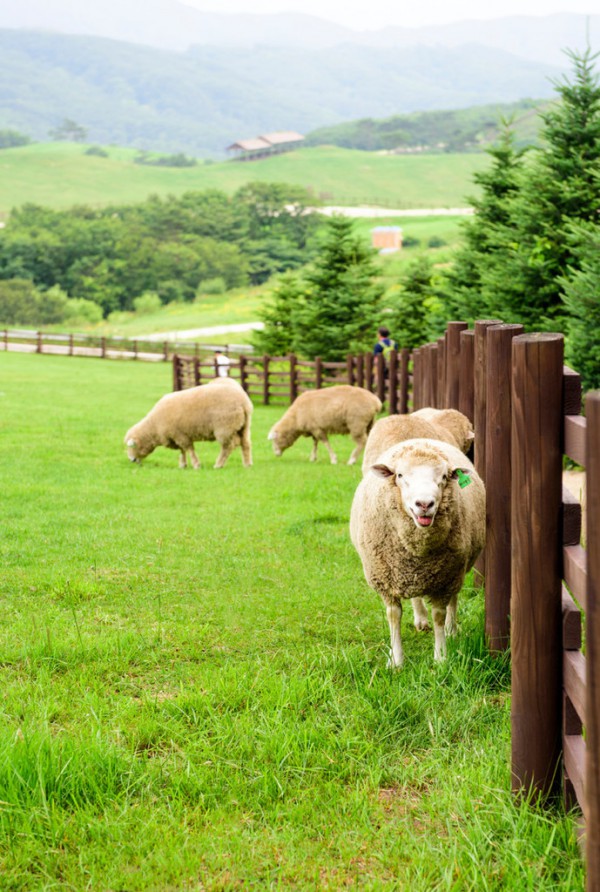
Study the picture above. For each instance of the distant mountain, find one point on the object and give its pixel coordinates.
(202, 100)
(171, 24)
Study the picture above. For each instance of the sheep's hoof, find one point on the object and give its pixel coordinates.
(422, 625)
(351, 461)
(393, 665)
(334, 461)
(451, 629)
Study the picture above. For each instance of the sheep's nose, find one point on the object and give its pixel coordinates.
(425, 506)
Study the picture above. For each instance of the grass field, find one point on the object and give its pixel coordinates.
(195, 694)
(61, 175)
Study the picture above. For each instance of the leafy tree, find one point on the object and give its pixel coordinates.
(580, 296)
(11, 138)
(558, 187)
(18, 302)
(69, 130)
(339, 312)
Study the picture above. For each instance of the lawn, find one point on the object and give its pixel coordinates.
(195, 685)
(61, 175)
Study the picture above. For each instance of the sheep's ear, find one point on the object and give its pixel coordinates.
(272, 435)
(131, 443)
(463, 475)
(470, 436)
(382, 470)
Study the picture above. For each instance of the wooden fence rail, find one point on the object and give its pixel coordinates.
(277, 380)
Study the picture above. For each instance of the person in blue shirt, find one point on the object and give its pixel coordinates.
(384, 344)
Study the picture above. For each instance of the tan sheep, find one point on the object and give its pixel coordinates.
(418, 524)
(341, 409)
(447, 425)
(219, 410)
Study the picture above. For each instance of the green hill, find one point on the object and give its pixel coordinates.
(61, 175)
(456, 130)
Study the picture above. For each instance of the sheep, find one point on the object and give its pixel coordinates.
(219, 410)
(418, 523)
(448, 425)
(341, 409)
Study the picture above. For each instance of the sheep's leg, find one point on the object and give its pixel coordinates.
(439, 649)
(394, 616)
(332, 454)
(226, 450)
(194, 458)
(313, 454)
(182, 459)
(360, 441)
(450, 625)
(246, 447)
(421, 616)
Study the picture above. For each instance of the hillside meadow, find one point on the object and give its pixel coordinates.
(194, 674)
(61, 175)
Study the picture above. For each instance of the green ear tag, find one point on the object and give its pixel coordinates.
(463, 479)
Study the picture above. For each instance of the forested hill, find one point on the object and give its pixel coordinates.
(202, 100)
(455, 130)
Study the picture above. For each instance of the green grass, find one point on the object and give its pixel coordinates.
(194, 685)
(61, 175)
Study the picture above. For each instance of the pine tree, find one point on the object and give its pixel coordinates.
(461, 286)
(277, 315)
(581, 299)
(339, 311)
(559, 186)
(408, 319)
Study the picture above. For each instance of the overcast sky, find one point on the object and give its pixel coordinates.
(367, 14)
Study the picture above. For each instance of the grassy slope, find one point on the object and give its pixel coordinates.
(194, 682)
(61, 175)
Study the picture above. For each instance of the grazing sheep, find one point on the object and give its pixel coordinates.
(418, 524)
(436, 424)
(341, 409)
(219, 410)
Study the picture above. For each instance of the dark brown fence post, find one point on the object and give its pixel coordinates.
(39, 348)
(265, 360)
(403, 396)
(350, 369)
(243, 373)
(592, 715)
(440, 402)
(318, 372)
(536, 546)
(6, 338)
(293, 378)
(417, 358)
(166, 351)
(498, 476)
(197, 374)
(479, 414)
(393, 383)
(431, 384)
(380, 376)
(369, 371)
(453, 364)
(135, 349)
(176, 376)
(360, 370)
(467, 383)
(103, 348)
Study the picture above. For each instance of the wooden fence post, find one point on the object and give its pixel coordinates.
(380, 376)
(369, 371)
(592, 771)
(265, 360)
(536, 546)
(479, 415)
(6, 338)
(243, 373)
(393, 383)
(453, 364)
(431, 383)
(166, 351)
(293, 378)
(360, 370)
(467, 382)
(498, 477)
(103, 347)
(197, 374)
(39, 348)
(318, 372)
(176, 376)
(135, 349)
(440, 402)
(417, 357)
(403, 397)
(350, 369)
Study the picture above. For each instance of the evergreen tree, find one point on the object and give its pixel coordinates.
(581, 299)
(277, 314)
(461, 286)
(558, 187)
(408, 319)
(339, 312)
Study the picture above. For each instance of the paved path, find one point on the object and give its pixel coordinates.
(386, 212)
(191, 333)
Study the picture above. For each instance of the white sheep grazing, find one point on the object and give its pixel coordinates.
(447, 425)
(219, 410)
(418, 524)
(341, 409)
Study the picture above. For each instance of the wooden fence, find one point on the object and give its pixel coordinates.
(279, 379)
(541, 583)
(101, 347)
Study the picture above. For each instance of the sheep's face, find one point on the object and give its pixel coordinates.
(421, 487)
(280, 440)
(134, 450)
